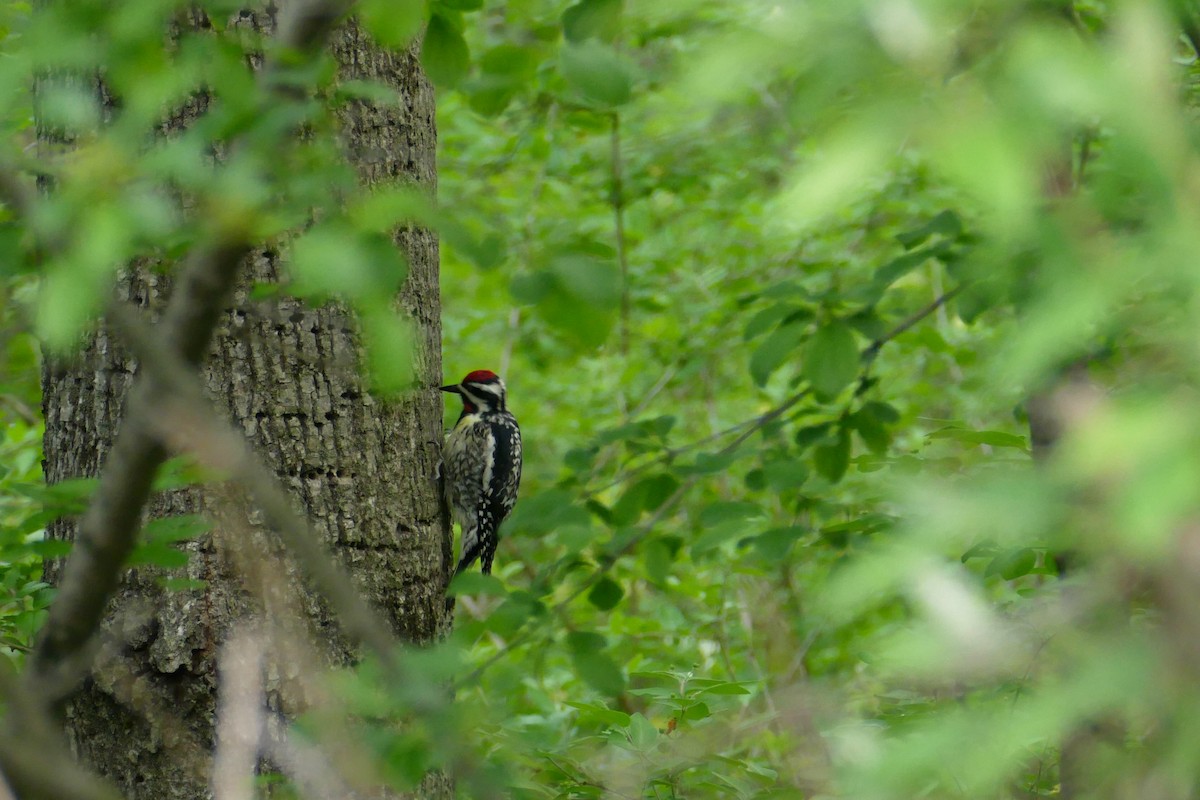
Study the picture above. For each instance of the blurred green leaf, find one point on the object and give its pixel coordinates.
(945, 223)
(831, 460)
(606, 594)
(1012, 564)
(475, 583)
(775, 350)
(444, 52)
(831, 359)
(592, 18)
(642, 733)
(599, 713)
(597, 72)
(594, 667)
(992, 438)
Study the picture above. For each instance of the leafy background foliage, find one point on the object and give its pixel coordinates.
(774, 287)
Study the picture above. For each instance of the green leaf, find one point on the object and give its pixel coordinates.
(158, 554)
(708, 463)
(586, 642)
(393, 23)
(389, 345)
(50, 548)
(444, 52)
(902, 265)
(598, 18)
(658, 555)
(980, 550)
(546, 512)
(597, 72)
(577, 294)
(606, 594)
(871, 430)
(774, 544)
(785, 475)
(722, 688)
(486, 250)
(373, 92)
(599, 671)
(600, 713)
(588, 279)
(179, 472)
(775, 350)
(177, 528)
(946, 223)
(580, 459)
(509, 61)
(729, 511)
(476, 583)
(68, 495)
(383, 209)
(884, 412)
(991, 438)
(831, 360)
(645, 495)
(530, 288)
(831, 460)
(771, 316)
(812, 434)
(334, 260)
(1012, 564)
(642, 733)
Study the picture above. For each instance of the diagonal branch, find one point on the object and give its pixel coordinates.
(223, 448)
(873, 349)
(754, 423)
(108, 530)
(34, 759)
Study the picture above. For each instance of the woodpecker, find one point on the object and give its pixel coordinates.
(481, 466)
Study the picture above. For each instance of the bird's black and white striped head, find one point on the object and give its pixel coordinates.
(481, 391)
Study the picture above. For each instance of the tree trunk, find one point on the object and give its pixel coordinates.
(362, 470)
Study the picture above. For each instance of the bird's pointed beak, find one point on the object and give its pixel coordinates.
(453, 389)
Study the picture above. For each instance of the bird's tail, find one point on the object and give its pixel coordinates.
(472, 546)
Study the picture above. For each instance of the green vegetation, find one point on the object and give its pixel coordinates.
(776, 288)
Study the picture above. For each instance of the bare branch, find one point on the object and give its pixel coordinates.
(240, 717)
(34, 760)
(108, 530)
(224, 448)
(43, 772)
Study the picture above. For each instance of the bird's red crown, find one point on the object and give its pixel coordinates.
(481, 376)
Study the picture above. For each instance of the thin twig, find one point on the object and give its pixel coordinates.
(873, 349)
(868, 356)
(618, 205)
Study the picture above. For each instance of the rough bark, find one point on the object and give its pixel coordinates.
(359, 468)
